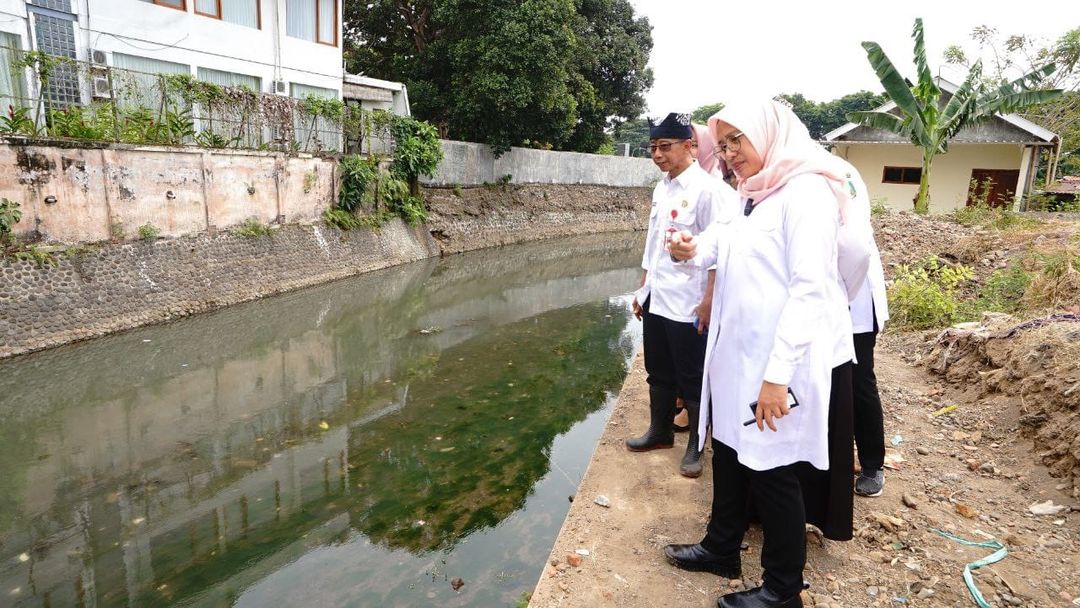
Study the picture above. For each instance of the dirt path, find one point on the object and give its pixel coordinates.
(968, 472)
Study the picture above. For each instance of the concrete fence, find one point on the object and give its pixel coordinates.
(469, 164)
(81, 194)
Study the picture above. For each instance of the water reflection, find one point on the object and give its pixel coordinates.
(353, 444)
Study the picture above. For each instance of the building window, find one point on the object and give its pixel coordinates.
(177, 4)
(230, 79)
(901, 175)
(240, 12)
(143, 73)
(56, 5)
(314, 20)
(56, 36)
(12, 87)
(315, 134)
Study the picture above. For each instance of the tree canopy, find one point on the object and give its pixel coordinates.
(822, 117)
(546, 73)
(1017, 53)
(702, 114)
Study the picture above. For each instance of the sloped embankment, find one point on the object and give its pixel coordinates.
(1036, 365)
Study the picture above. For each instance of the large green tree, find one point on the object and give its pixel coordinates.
(547, 73)
(634, 132)
(929, 121)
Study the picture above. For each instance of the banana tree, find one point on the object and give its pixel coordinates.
(929, 124)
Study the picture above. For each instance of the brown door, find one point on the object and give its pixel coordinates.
(998, 186)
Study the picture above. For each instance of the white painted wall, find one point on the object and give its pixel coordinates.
(949, 176)
(140, 28)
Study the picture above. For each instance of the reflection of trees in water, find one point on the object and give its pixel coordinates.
(468, 447)
(98, 435)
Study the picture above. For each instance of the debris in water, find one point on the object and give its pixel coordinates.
(456, 583)
(23, 557)
(434, 329)
(324, 425)
(602, 500)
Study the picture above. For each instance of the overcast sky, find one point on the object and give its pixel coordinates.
(706, 51)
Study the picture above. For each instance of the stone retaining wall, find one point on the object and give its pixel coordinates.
(117, 287)
(111, 287)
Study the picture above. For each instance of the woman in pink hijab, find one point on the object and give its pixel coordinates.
(778, 370)
(706, 153)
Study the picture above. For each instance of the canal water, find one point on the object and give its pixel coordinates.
(362, 443)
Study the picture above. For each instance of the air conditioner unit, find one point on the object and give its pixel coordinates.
(280, 87)
(98, 57)
(102, 90)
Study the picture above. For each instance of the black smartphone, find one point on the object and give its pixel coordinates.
(791, 402)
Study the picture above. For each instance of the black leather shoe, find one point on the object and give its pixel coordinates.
(699, 559)
(759, 597)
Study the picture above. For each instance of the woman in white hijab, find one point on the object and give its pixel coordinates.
(778, 365)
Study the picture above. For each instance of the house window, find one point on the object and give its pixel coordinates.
(901, 175)
(240, 12)
(177, 4)
(314, 20)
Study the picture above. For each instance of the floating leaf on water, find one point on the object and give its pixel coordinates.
(324, 425)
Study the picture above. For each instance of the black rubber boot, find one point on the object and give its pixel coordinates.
(691, 460)
(660, 434)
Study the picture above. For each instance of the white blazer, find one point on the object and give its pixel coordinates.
(779, 314)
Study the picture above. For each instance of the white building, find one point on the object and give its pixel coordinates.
(287, 47)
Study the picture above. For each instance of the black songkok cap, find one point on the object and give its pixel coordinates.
(674, 126)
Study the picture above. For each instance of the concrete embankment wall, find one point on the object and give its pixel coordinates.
(103, 286)
(84, 195)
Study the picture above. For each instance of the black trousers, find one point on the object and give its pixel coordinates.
(778, 499)
(674, 354)
(869, 422)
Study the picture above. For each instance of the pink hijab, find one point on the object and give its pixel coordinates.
(706, 147)
(785, 147)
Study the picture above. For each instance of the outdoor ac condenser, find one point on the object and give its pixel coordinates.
(101, 88)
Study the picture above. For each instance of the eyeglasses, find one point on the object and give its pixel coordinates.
(664, 147)
(729, 144)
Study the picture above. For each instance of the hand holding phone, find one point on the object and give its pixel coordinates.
(791, 402)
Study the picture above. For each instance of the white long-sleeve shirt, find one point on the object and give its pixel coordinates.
(871, 299)
(691, 201)
(780, 313)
